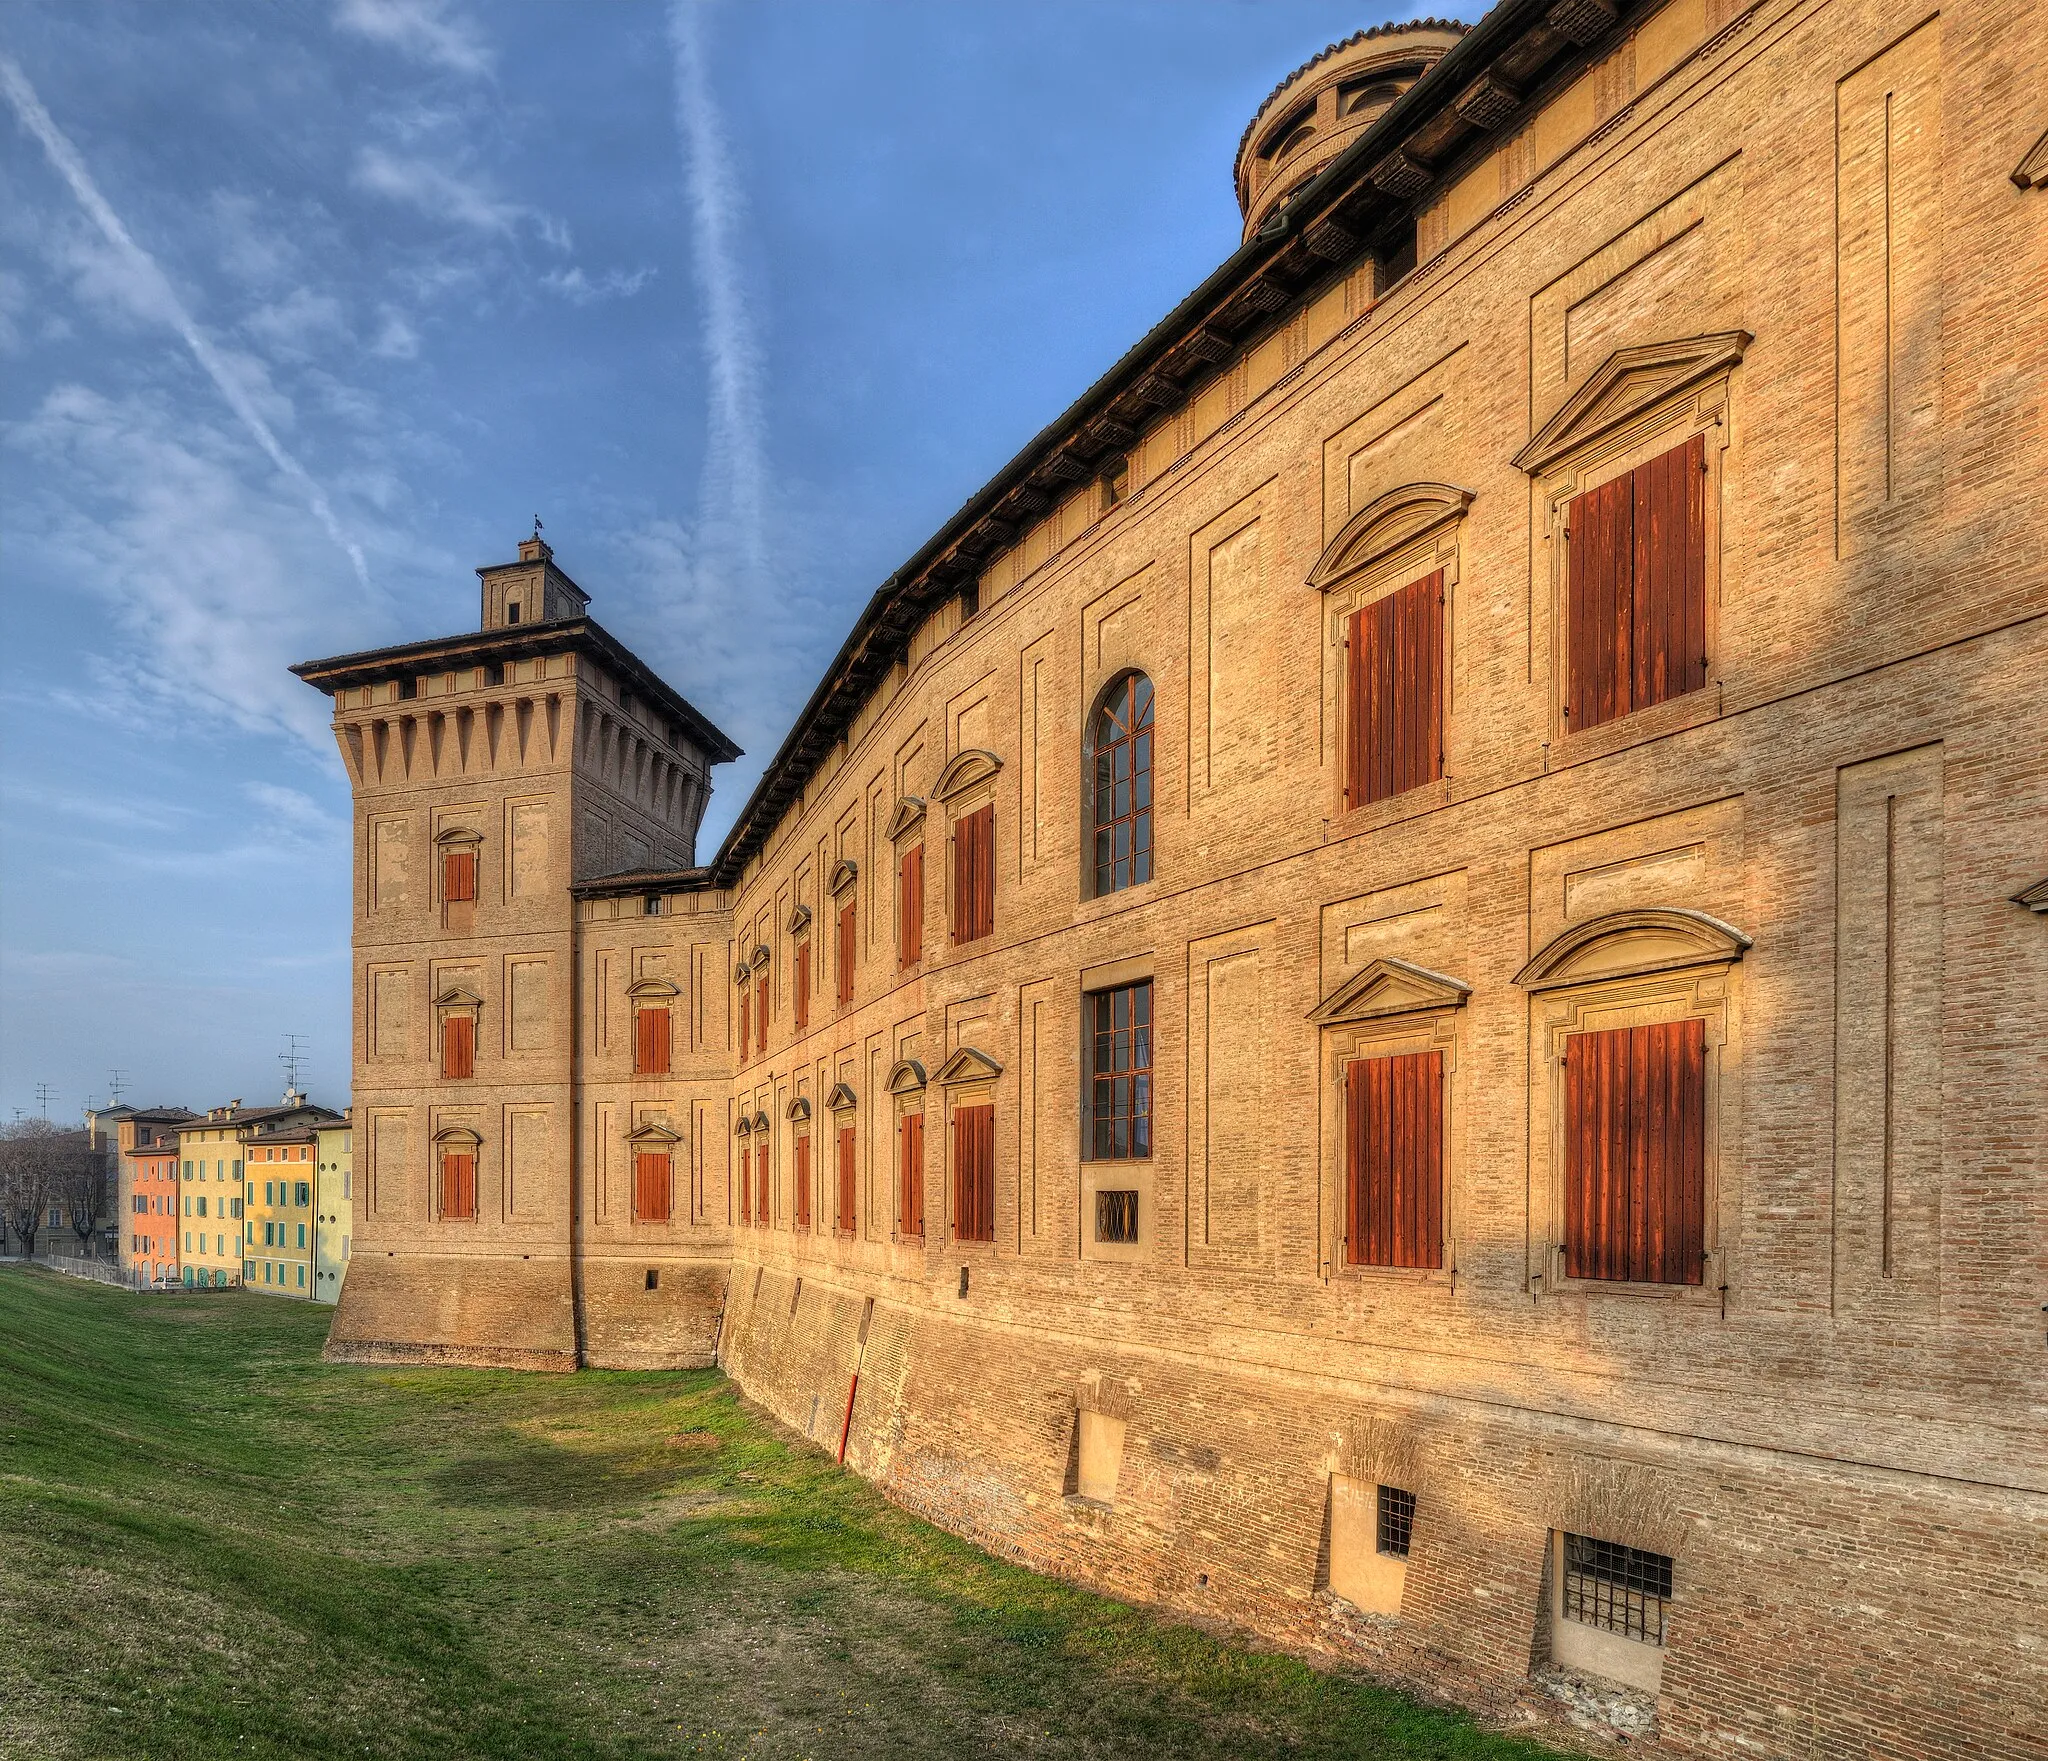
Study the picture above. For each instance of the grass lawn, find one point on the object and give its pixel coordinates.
(211, 1543)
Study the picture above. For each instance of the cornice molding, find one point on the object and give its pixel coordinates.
(844, 873)
(458, 996)
(1389, 987)
(2031, 173)
(1627, 383)
(905, 1077)
(799, 921)
(2034, 898)
(963, 770)
(652, 987)
(1630, 944)
(458, 1134)
(909, 812)
(968, 1064)
(1386, 523)
(654, 1133)
(798, 1110)
(842, 1099)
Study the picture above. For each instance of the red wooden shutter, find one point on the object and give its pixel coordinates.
(1636, 588)
(1635, 1153)
(803, 1181)
(846, 938)
(1393, 740)
(458, 1185)
(764, 1183)
(761, 1012)
(650, 1042)
(843, 1214)
(746, 1186)
(974, 875)
(974, 1173)
(803, 986)
(458, 1045)
(910, 907)
(910, 1196)
(1393, 1118)
(458, 876)
(746, 1023)
(651, 1169)
(1668, 633)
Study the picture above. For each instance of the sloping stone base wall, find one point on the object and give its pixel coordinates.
(1811, 1594)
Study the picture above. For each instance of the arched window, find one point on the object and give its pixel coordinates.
(1121, 740)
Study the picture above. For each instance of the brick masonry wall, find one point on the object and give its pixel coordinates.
(1838, 1434)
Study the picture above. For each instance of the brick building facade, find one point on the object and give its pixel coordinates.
(1390, 993)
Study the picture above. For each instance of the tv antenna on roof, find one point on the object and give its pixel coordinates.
(291, 1058)
(117, 1080)
(43, 1093)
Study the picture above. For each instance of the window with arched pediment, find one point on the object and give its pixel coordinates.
(1120, 750)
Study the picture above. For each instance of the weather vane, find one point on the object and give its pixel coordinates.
(536, 525)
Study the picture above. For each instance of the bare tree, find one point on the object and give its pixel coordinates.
(28, 1169)
(82, 1182)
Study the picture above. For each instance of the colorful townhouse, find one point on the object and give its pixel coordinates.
(333, 1209)
(149, 1178)
(115, 1131)
(277, 1215)
(211, 1158)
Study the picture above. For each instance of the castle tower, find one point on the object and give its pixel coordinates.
(490, 771)
(1324, 105)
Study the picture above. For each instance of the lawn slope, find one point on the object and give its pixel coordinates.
(212, 1543)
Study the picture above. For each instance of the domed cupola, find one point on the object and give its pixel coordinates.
(1326, 104)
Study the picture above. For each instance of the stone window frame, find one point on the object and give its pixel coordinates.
(844, 1106)
(966, 1079)
(446, 843)
(457, 1001)
(451, 1132)
(1638, 404)
(804, 1219)
(651, 1132)
(906, 828)
(801, 936)
(1635, 968)
(1135, 890)
(651, 993)
(1389, 1008)
(907, 1086)
(1395, 540)
(1131, 1174)
(840, 888)
(966, 785)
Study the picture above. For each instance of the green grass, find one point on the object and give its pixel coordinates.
(211, 1543)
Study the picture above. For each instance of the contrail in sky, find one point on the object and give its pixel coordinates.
(736, 469)
(72, 169)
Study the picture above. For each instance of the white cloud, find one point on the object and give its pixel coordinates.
(211, 580)
(151, 290)
(295, 808)
(13, 308)
(736, 466)
(300, 321)
(396, 339)
(441, 194)
(426, 30)
(579, 290)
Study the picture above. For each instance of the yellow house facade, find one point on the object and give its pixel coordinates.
(277, 1227)
(210, 1194)
(333, 1209)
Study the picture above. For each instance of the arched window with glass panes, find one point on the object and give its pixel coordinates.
(1120, 744)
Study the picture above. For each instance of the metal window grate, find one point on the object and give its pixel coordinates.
(1618, 1589)
(1397, 1521)
(1116, 1216)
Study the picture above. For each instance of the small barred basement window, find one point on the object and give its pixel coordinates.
(1397, 1521)
(1116, 1216)
(653, 1278)
(1615, 1588)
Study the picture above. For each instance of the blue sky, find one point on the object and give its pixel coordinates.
(307, 308)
